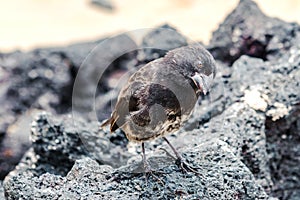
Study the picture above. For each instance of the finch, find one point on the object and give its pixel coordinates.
(159, 97)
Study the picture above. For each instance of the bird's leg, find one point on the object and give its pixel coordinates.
(180, 162)
(147, 168)
(146, 165)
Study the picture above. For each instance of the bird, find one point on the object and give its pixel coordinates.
(160, 97)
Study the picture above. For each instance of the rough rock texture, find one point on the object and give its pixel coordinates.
(29, 81)
(284, 156)
(62, 143)
(243, 138)
(221, 173)
(243, 129)
(1, 190)
(248, 31)
(269, 87)
(273, 91)
(56, 146)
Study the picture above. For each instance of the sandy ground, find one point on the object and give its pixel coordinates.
(27, 24)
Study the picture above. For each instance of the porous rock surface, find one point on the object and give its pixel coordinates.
(39, 176)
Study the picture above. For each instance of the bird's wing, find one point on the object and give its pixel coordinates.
(127, 102)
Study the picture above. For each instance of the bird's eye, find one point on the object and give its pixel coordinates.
(200, 64)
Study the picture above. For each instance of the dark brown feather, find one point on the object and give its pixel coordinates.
(160, 96)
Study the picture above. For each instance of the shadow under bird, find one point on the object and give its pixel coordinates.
(160, 96)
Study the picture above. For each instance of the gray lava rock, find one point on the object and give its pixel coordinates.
(33, 74)
(61, 141)
(271, 89)
(26, 80)
(1, 190)
(280, 91)
(243, 129)
(268, 87)
(221, 176)
(75, 53)
(58, 143)
(159, 41)
(283, 149)
(247, 31)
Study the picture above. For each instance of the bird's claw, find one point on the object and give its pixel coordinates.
(186, 167)
(151, 173)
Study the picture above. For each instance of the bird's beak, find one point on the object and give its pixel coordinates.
(203, 82)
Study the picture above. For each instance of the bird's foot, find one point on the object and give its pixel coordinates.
(146, 170)
(185, 167)
(149, 172)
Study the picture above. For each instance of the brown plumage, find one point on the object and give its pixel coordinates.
(161, 95)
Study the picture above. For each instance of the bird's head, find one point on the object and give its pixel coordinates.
(197, 64)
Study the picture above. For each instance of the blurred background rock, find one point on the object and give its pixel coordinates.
(28, 24)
